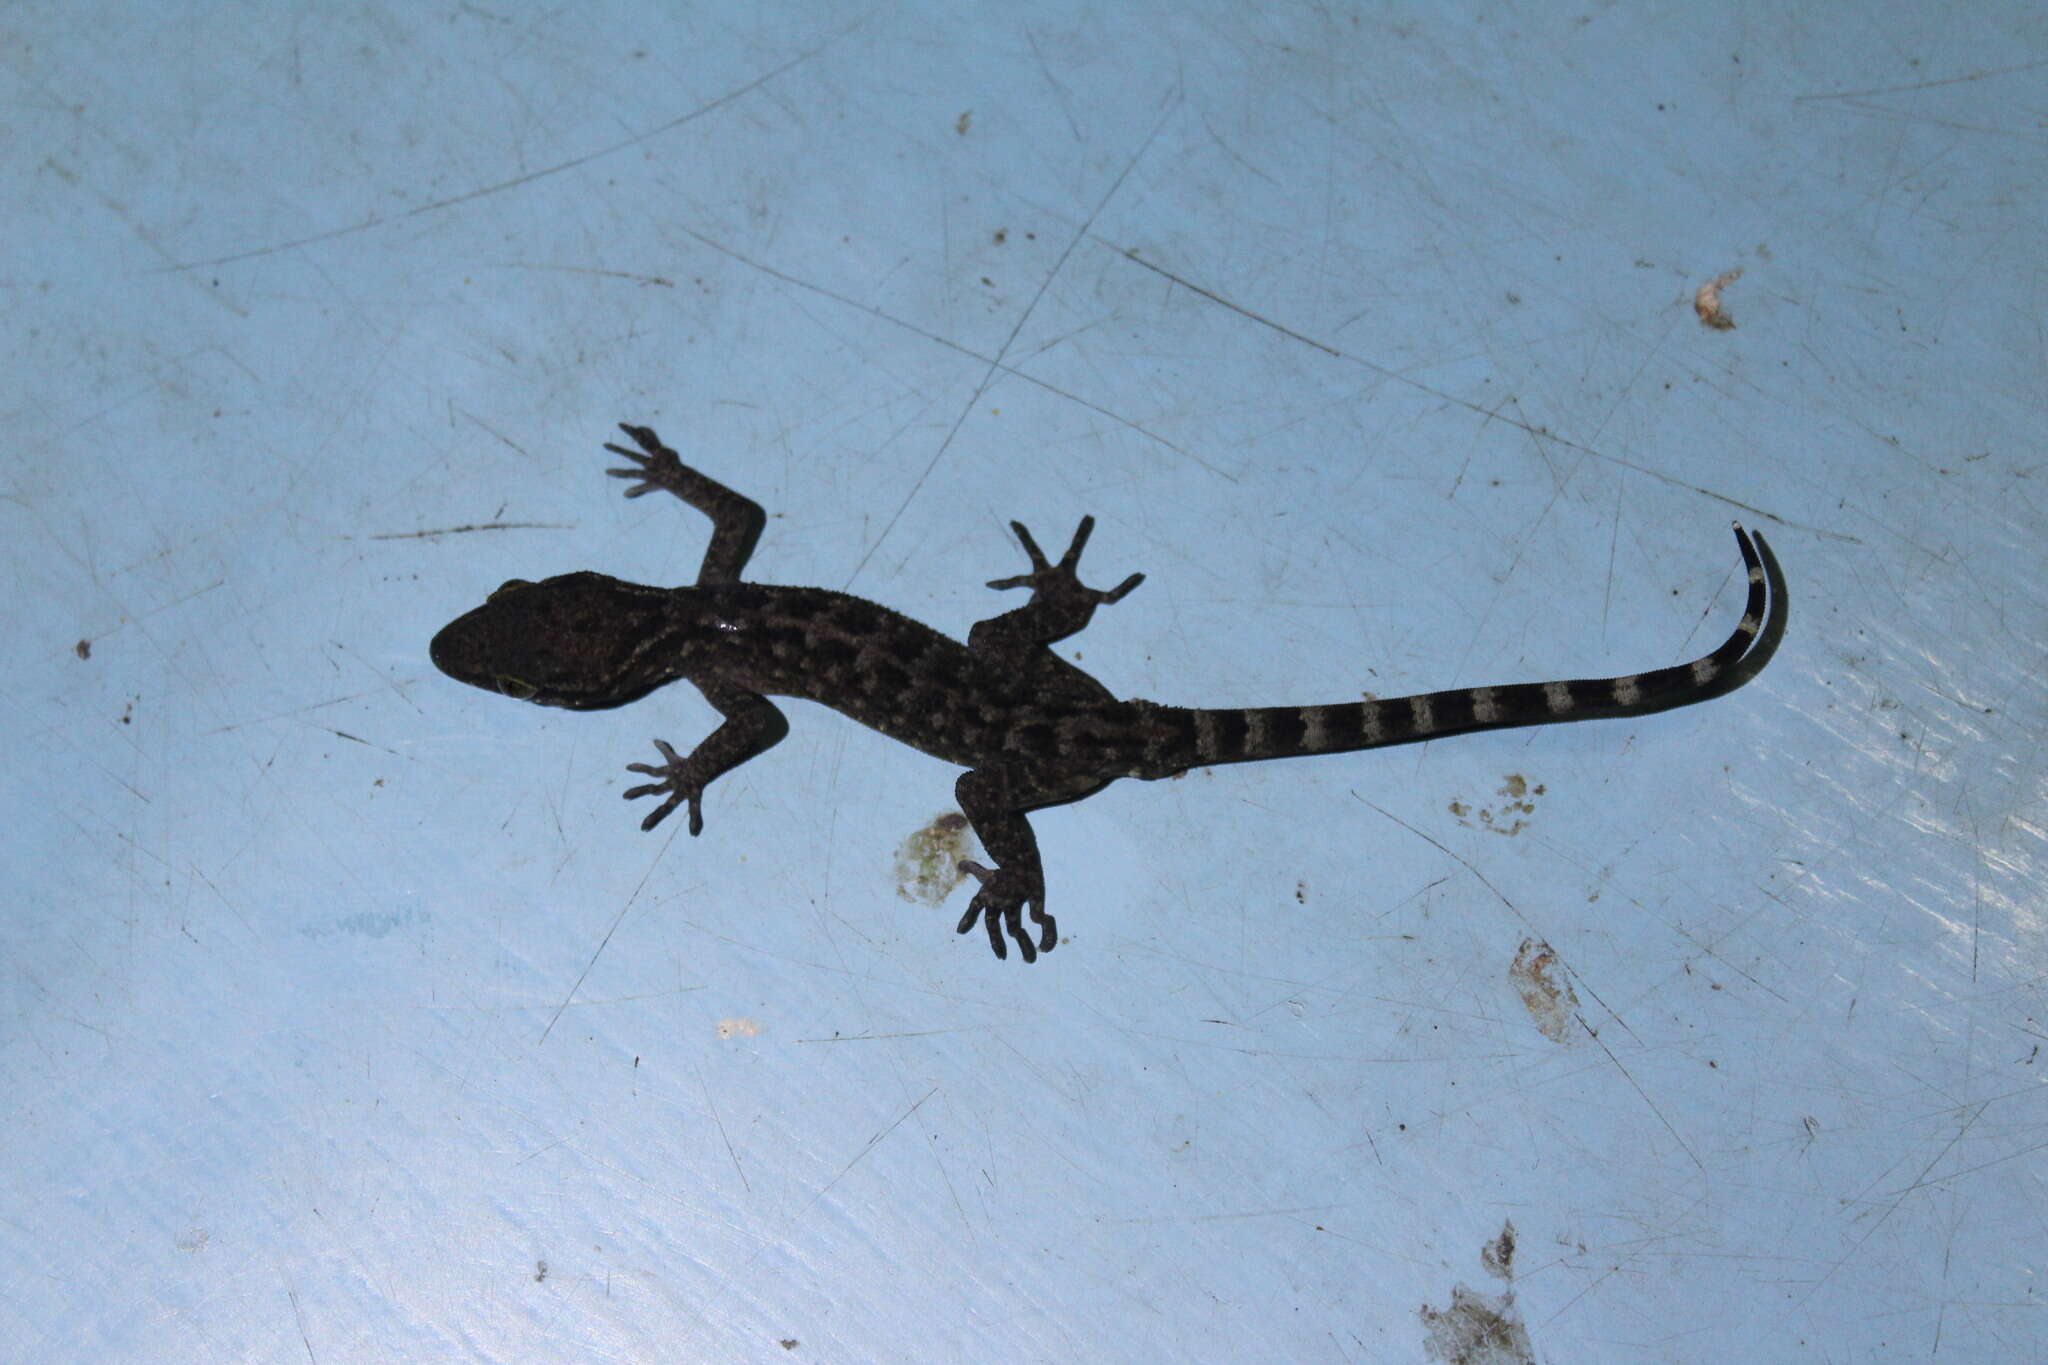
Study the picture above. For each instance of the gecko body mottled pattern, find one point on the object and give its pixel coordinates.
(1031, 728)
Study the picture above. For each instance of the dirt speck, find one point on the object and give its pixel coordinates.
(1545, 993)
(1498, 1256)
(1508, 819)
(928, 862)
(1706, 301)
(964, 122)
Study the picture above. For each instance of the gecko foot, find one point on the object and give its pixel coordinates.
(1000, 903)
(657, 467)
(1059, 582)
(681, 783)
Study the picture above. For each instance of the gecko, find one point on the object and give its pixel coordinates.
(1031, 728)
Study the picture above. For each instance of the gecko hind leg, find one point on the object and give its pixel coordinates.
(996, 800)
(992, 801)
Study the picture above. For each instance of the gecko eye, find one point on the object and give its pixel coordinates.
(514, 687)
(509, 585)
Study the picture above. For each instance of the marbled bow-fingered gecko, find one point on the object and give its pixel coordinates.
(1031, 729)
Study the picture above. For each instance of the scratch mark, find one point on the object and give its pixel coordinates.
(1080, 235)
(476, 526)
(1644, 1096)
(721, 1130)
(539, 1151)
(1065, 96)
(880, 315)
(1231, 152)
(353, 739)
(1977, 901)
(1517, 912)
(299, 1315)
(1444, 396)
(861, 1155)
(1188, 1220)
(1607, 590)
(617, 919)
(1131, 254)
(1918, 1181)
(880, 1037)
(285, 715)
(1920, 85)
(505, 440)
(1972, 1170)
(485, 191)
(661, 280)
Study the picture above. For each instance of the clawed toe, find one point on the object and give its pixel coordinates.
(676, 781)
(999, 905)
(653, 464)
(1062, 580)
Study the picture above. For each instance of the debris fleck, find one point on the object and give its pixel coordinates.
(1707, 301)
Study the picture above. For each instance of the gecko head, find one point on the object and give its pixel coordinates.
(581, 640)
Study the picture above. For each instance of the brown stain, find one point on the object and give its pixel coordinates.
(1477, 1329)
(1481, 1329)
(1550, 1000)
(928, 862)
(1498, 1256)
(1508, 818)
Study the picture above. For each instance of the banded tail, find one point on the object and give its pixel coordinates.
(1240, 736)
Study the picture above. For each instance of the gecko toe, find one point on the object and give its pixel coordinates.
(661, 812)
(1013, 920)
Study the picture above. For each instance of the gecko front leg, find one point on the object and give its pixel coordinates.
(736, 520)
(753, 725)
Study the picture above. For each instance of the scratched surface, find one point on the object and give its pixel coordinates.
(345, 1014)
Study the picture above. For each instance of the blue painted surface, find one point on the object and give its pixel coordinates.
(349, 1016)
